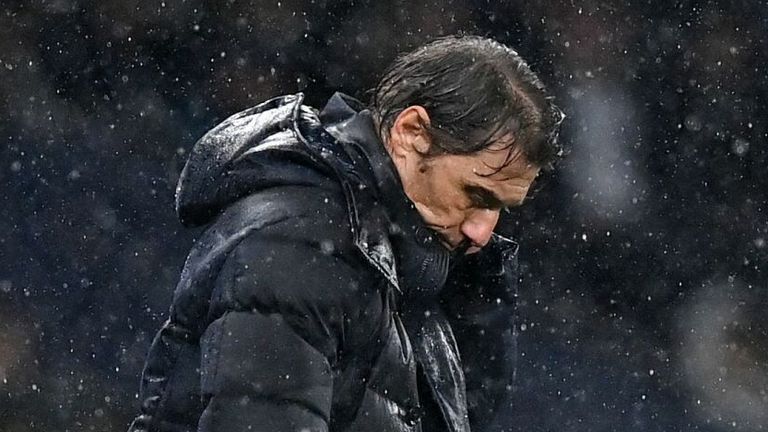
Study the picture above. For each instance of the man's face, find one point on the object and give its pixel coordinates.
(458, 196)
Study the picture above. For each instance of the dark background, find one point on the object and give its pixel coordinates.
(644, 296)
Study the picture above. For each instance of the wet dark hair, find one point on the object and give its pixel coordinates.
(476, 91)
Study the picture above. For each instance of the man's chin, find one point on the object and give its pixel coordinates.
(450, 246)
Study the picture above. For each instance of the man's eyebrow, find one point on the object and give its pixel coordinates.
(483, 197)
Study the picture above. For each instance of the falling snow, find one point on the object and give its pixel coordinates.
(642, 287)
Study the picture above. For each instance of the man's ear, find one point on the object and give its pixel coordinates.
(408, 132)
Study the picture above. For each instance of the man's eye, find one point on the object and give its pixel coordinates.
(479, 201)
(482, 199)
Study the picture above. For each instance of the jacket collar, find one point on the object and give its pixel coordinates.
(351, 123)
(423, 263)
(365, 217)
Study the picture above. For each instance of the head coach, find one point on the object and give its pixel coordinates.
(348, 277)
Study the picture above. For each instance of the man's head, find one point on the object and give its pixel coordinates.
(468, 126)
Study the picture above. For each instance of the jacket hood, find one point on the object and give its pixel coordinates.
(281, 143)
(238, 157)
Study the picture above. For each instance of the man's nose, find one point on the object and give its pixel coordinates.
(478, 227)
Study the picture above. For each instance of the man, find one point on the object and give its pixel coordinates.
(349, 278)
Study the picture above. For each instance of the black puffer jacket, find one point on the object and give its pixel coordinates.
(315, 300)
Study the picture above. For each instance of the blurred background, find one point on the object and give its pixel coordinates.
(644, 296)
